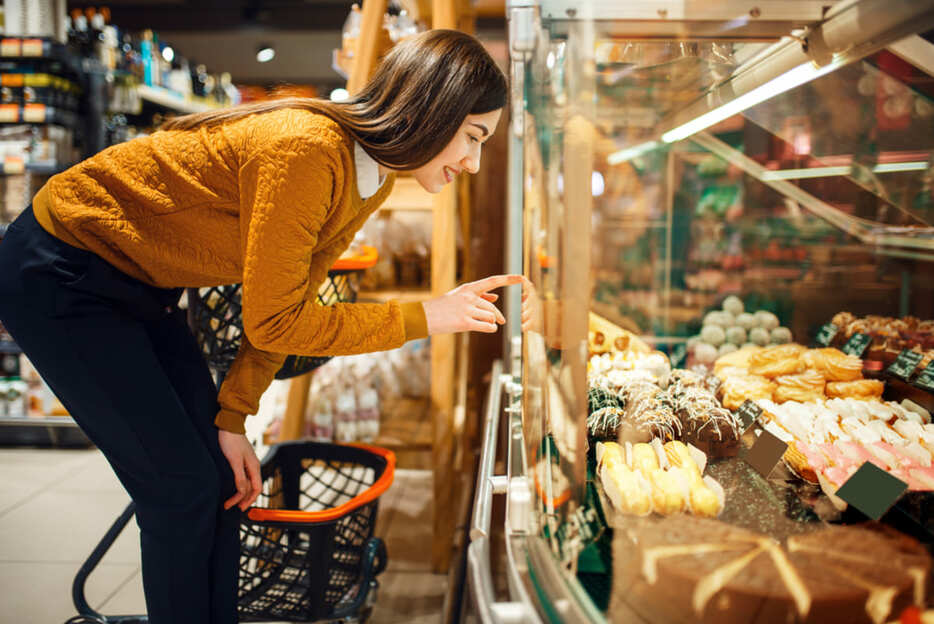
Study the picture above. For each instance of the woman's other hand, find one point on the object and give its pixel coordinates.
(469, 307)
(239, 452)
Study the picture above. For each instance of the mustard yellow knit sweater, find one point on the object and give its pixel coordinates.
(269, 200)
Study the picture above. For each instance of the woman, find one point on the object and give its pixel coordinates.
(266, 194)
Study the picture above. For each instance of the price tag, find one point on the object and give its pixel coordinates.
(825, 335)
(925, 379)
(9, 113)
(857, 344)
(748, 413)
(10, 47)
(32, 47)
(904, 365)
(766, 453)
(13, 165)
(34, 113)
(872, 490)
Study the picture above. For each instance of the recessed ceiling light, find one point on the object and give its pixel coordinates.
(265, 53)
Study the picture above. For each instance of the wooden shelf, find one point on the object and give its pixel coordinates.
(402, 295)
(408, 194)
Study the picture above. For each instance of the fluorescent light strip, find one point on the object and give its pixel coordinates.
(785, 82)
(823, 172)
(629, 153)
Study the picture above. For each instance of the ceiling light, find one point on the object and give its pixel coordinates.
(265, 53)
(339, 95)
(168, 54)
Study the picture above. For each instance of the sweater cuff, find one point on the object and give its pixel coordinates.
(413, 317)
(229, 420)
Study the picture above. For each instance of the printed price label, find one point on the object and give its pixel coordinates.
(10, 47)
(766, 453)
(905, 364)
(872, 490)
(748, 414)
(925, 380)
(32, 47)
(826, 334)
(34, 113)
(857, 344)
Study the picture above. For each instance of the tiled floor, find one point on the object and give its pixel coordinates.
(56, 504)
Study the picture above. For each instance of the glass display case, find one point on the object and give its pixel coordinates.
(721, 411)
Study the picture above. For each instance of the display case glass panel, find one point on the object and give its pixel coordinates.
(728, 232)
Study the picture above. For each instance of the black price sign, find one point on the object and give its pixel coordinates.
(905, 364)
(826, 334)
(857, 344)
(925, 380)
(766, 453)
(872, 490)
(748, 414)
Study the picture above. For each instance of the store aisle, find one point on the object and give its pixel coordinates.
(56, 504)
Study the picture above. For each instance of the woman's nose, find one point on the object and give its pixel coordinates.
(471, 162)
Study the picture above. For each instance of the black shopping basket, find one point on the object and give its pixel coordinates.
(307, 550)
(215, 316)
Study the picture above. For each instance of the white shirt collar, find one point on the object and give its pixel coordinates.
(368, 178)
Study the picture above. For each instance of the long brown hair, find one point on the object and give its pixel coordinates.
(411, 107)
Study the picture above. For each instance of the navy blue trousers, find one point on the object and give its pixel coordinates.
(118, 354)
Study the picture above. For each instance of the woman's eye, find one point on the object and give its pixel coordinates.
(473, 138)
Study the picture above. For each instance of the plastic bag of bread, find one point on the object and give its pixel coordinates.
(778, 360)
(858, 389)
(804, 387)
(833, 364)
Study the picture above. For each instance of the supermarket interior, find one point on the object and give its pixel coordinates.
(711, 396)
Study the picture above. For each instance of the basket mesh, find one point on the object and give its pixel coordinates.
(304, 571)
(215, 316)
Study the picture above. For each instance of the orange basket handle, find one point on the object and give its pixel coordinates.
(259, 514)
(367, 258)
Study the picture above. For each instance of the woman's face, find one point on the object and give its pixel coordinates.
(461, 154)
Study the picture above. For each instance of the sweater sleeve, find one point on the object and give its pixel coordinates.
(286, 191)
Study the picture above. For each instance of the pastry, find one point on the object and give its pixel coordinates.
(803, 387)
(736, 359)
(704, 422)
(833, 364)
(779, 360)
(834, 575)
(842, 319)
(737, 388)
(858, 389)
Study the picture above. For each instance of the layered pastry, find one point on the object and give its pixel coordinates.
(858, 389)
(778, 360)
(738, 388)
(802, 387)
(833, 364)
(684, 569)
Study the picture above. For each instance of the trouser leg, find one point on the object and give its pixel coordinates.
(132, 385)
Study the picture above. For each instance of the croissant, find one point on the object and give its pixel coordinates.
(778, 360)
(833, 364)
(859, 389)
(804, 387)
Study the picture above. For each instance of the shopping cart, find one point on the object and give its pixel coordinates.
(307, 550)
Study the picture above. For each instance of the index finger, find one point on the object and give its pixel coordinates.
(494, 281)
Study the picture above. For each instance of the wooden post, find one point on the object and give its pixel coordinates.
(364, 60)
(443, 279)
(365, 56)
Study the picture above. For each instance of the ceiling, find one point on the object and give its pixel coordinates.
(225, 34)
